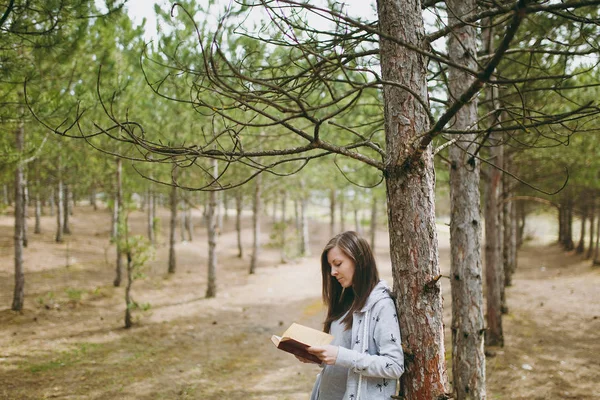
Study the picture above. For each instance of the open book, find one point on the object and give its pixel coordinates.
(297, 338)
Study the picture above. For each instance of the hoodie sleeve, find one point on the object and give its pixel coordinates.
(388, 360)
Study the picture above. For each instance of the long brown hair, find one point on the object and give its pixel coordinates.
(340, 300)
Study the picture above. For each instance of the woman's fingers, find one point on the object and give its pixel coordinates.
(327, 354)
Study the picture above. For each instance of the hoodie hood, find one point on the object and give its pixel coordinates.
(380, 291)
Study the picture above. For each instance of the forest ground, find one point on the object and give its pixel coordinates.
(69, 342)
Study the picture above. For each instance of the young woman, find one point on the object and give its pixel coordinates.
(365, 359)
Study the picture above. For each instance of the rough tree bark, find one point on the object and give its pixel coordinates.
(19, 292)
(509, 252)
(411, 199)
(211, 225)
(596, 260)
(256, 208)
(494, 263)
(468, 358)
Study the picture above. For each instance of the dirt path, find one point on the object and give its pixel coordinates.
(69, 344)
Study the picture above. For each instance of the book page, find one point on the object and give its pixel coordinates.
(306, 335)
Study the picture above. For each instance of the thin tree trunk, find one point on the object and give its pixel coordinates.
(256, 207)
(342, 212)
(38, 213)
(59, 206)
(521, 219)
(569, 245)
(581, 245)
(283, 225)
(19, 291)
(118, 217)
(238, 221)
(468, 358)
(150, 215)
(219, 212)
(93, 196)
(25, 211)
(172, 229)
(357, 226)
(225, 207)
(588, 255)
(304, 239)
(332, 213)
(211, 224)
(51, 201)
(297, 215)
(182, 222)
(128, 299)
(510, 226)
(66, 213)
(597, 246)
(189, 223)
(5, 195)
(373, 222)
(411, 203)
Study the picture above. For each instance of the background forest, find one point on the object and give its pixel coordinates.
(164, 203)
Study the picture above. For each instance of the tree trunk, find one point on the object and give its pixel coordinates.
(521, 218)
(225, 207)
(38, 213)
(182, 222)
(297, 215)
(172, 228)
(332, 213)
(51, 201)
(494, 275)
(373, 222)
(357, 227)
(189, 223)
(596, 260)
(238, 221)
(128, 300)
(568, 244)
(150, 215)
(93, 196)
(67, 212)
(411, 208)
(59, 206)
(118, 217)
(283, 225)
(211, 224)
(581, 245)
(25, 210)
(19, 292)
(304, 239)
(588, 255)
(5, 195)
(256, 223)
(468, 358)
(509, 253)
(342, 213)
(219, 212)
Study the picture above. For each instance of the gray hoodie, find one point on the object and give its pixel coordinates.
(375, 361)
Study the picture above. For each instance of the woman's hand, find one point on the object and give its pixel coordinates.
(327, 354)
(304, 360)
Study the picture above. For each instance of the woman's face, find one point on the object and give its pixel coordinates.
(342, 266)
